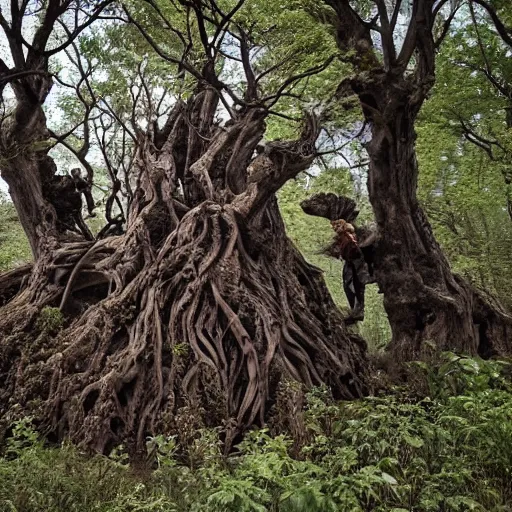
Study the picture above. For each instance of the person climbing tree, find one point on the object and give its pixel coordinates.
(355, 246)
(347, 249)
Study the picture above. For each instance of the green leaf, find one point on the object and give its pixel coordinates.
(415, 442)
(389, 479)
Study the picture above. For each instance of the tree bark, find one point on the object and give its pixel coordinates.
(424, 300)
(27, 169)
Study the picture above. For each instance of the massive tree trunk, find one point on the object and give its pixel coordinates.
(29, 172)
(194, 316)
(424, 300)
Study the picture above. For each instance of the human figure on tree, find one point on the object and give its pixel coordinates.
(64, 191)
(353, 245)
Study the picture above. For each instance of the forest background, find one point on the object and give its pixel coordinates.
(440, 443)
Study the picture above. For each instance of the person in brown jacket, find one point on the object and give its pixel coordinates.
(358, 267)
(355, 246)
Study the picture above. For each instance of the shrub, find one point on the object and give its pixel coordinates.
(448, 449)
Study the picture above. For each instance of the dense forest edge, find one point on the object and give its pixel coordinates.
(175, 334)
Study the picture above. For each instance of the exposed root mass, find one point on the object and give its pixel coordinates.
(201, 334)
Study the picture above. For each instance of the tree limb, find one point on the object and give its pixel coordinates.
(504, 32)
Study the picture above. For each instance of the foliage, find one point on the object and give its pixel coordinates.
(50, 320)
(14, 247)
(445, 449)
(463, 185)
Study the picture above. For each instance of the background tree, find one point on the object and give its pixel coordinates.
(392, 47)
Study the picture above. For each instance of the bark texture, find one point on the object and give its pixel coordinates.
(424, 300)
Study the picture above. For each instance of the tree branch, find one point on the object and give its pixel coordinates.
(169, 58)
(80, 28)
(386, 33)
(446, 27)
(275, 165)
(274, 98)
(504, 32)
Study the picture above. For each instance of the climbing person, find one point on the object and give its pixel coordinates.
(355, 246)
(354, 274)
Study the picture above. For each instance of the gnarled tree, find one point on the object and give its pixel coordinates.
(196, 312)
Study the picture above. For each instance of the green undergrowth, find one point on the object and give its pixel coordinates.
(14, 247)
(443, 443)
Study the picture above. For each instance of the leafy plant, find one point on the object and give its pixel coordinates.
(50, 320)
(444, 444)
